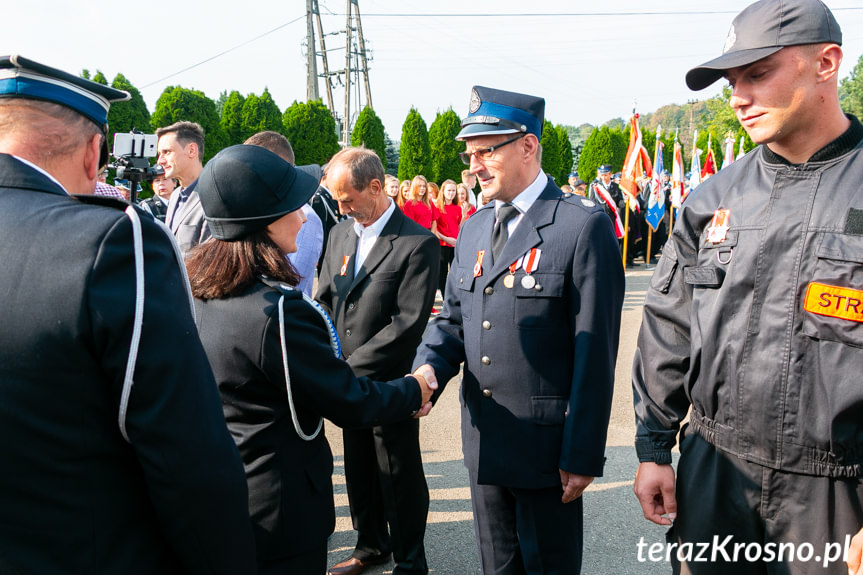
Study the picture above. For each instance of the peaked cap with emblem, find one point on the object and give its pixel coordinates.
(500, 112)
(24, 78)
(764, 28)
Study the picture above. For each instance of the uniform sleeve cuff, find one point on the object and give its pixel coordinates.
(648, 451)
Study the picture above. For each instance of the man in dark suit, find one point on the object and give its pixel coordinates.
(110, 465)
(378, 282)
(532, 308)
(181, 155)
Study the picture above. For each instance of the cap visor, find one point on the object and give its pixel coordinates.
(709, 72)
(474, 130)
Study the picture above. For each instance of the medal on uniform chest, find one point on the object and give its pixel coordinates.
(531, 262)
(509, 281)
(344, 270)
(718, 228)
(477, 267)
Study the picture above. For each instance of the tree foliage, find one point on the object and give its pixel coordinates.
(603, 146)
(415, 151)
(851, 90)
(124, 116)
(232, 118)
(261, 114)
(392, 163)
(445, 162)
(369, 132)
(565, 147)
(311, 130)
(182, 104)
(551, 160)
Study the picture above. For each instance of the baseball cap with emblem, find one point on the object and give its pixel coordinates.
(24, 78)
(500, 112)
(764, 28)
(245, 188)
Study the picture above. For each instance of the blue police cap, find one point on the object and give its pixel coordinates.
(605, 169)
(500, 112)
(23, 78)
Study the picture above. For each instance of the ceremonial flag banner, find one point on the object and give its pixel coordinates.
(678, 180)
(694, 167)
(741, 152)
(729, 152)
(637, 162)
(656, 199)
(709, 162)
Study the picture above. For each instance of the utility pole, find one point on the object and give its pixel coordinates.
(311, 57)
(326, 74)
(347, 119)
(363, 56)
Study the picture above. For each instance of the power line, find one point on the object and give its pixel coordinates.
(563, 14)
(220, 54)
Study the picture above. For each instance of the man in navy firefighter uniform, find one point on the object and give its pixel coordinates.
(532, 308)
(115, 453)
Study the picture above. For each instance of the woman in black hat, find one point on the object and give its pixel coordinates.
(275, 356)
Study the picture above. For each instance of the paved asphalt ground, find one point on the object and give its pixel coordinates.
(613, 523)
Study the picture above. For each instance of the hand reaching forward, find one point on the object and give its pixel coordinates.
(425, 375)
(573, 485)
(855, 555)
(654, 487)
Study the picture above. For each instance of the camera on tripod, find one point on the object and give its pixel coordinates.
(131, 154)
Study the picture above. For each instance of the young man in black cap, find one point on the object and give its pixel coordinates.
(116, 457)
(752, 321)
(532, 308)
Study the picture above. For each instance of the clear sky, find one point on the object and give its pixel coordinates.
(589, 59)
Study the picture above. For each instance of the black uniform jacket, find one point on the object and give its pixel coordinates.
(754, 328)
(382, 312)
(538, 357)
(290, 485)
(74, 496)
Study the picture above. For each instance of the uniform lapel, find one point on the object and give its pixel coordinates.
(345, 246)
(527, 234)
(383, 246)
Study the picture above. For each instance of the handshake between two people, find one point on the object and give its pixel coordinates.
(427, 381)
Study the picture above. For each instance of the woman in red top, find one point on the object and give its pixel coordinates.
(467, 209)
(419, 208)
(448, 222)
(404, 194)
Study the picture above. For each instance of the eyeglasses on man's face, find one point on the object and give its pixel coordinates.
(483, 154)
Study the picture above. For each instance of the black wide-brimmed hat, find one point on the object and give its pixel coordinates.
(244, 188)
(764, 28)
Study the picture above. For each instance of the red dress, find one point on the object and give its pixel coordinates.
(421, 213)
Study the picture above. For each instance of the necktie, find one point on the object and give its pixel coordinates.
(499, 233)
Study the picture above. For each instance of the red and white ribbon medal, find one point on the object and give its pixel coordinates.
(531, 262)
(345, 261)
(509, 281)
(477, 267)
(718, 226)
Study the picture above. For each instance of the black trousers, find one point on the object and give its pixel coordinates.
(447, 253)
(386, 485)
(720, 495)
(313, 562)
(526, 531)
